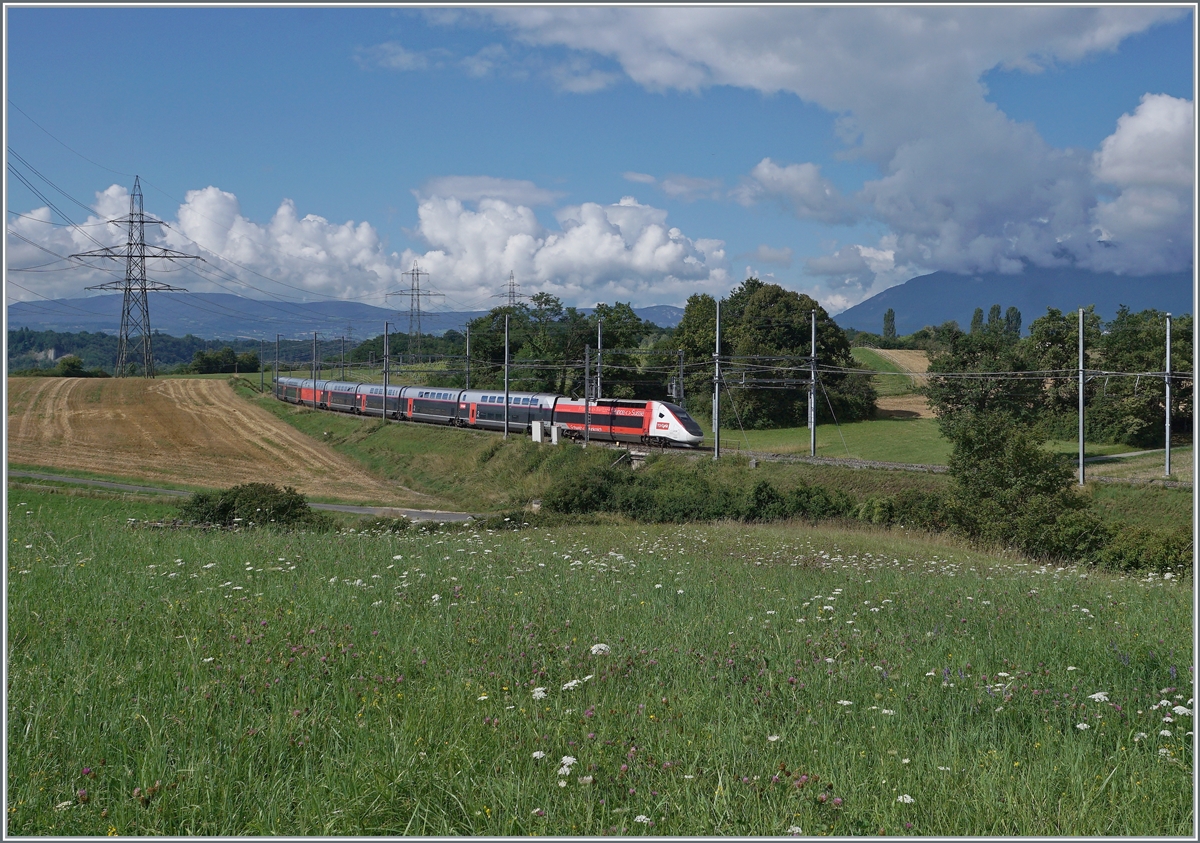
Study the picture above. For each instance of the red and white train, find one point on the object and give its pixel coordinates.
(607, 420)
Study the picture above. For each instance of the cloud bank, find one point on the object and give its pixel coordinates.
(962, 186)
(625, 251)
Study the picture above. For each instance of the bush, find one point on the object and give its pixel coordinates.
(1138, 548)
(585, 491)
(254, 505)
(921, 510)
(817, 502)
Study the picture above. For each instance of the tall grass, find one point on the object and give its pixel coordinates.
(269, 683)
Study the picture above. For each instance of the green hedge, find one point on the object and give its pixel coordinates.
(667, 492)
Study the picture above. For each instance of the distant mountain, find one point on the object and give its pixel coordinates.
(941, 296)
(225, 316)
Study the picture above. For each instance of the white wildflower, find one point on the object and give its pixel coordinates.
(905, 798)
(772, 738)
(641, 818)
(1083, 727)
(601, 650)
(539, 693)
(1099, 696)
(845, 702)
(539, 754)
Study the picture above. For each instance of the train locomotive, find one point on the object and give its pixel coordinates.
(605, 420)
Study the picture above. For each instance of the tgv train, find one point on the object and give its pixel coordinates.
(611, 420)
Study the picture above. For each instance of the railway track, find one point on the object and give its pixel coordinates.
(640, 452)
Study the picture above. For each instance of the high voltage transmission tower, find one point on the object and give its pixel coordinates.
(414, 306)
(135, 309)
(512, 290)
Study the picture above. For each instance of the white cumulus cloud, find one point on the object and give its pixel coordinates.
(624, 251)
(798, 186)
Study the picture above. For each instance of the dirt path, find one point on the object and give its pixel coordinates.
(187, 431)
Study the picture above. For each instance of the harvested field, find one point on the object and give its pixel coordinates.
(909, 361)
(903, 407)
(192, 432)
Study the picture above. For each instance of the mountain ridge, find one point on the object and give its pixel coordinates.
(942, 296)
(227, 316)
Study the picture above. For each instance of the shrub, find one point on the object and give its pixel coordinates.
(921, 510)
(766, 504)
(1133, 548)
(817, 502)
(585, 491)
(254, 505)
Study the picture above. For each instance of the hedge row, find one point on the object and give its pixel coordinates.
(670, 494)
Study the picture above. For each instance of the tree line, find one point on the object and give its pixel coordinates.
(1120, 408)
(765, 348)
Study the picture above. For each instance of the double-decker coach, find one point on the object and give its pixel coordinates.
(606, 420)
(484, 408)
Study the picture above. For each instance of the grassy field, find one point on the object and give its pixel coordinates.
(1149, 466)
(885, 440)
(753, 681)
(896, 384)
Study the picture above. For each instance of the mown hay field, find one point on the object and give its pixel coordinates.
(190, 432)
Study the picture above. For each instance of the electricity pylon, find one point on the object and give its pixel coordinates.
(512, 290)
(414, 307)
(135, 309)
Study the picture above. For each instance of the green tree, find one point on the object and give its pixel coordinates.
(977, 321)
(770, 329)
(696, 336)
(1131, 410)
(1009, 491)
(622, 330)
(1053, 347)
(995, 323)
(981, 374)
(889, 324)
(1012, 323)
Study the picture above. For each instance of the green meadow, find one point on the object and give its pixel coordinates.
(622, 679)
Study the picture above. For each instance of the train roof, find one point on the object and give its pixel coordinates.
(475, 394)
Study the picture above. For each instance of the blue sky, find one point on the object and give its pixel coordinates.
(602, 154)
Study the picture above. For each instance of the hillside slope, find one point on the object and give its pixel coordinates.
(191, 432)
